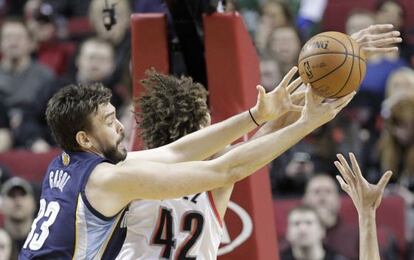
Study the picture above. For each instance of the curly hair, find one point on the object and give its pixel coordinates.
(170, 108)
(69, 110)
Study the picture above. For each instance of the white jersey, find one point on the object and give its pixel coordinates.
(184, 228)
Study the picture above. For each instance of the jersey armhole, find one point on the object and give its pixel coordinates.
(95, 212)
(213, 207)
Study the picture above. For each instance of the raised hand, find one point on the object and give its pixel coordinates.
(279, 101)
(317, 112)
(377, 38)
(365, 196)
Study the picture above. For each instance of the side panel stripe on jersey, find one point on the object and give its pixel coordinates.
(80, 232)
(213, 206)
(102, 250)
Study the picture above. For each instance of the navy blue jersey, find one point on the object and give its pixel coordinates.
(67, 226)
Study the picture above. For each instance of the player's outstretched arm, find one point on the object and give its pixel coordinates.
(210, 140)
(366, 198)
(111, 187)
(377, 38)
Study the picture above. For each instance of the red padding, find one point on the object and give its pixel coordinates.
(233, 72)
(149, 49)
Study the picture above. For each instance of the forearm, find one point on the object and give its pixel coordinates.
(368, 242)
(247, 158)
(201, 144)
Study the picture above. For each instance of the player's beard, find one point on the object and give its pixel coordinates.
(114, 154)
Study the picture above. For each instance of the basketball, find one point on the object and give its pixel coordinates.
(333, 63)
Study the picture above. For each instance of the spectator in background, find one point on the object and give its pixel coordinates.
(396, 145)
(309, 16)
(41, 21)
(21, 82)
(380, 65)
(274, 14)
(390, 11)
(284, 44)
(400, 81)
(6, 140)
(18, 208)
(359, 19)
(305, 233)
(322, 194)
(120, 38)
(269, 72)
(70, 8)
(95, 63)
(7, 251)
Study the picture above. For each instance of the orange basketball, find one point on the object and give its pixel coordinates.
(332, 63)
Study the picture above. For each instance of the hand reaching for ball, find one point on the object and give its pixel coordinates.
(377, 38)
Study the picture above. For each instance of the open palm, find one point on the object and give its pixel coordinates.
(364, 194)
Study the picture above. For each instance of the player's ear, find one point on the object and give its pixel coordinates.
(83, 139)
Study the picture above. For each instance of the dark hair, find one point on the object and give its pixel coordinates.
(170, 109)
(69, 111)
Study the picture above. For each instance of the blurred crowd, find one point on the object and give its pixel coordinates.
(48, 44)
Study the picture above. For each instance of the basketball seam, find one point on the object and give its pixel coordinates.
(346, 57)
(343, 45)
(329, 73)
(318, 54)
(350, 72)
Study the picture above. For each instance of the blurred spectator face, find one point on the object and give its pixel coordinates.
(285, 45)
(15, 41)
(122, 15)
(5, 245)
(40, 20)
(304, 229)
(18, 204)
(359, 21)
(95, 61)
(322, 194)
(400, 81)
(275, 15)
(401, 120)
(270, 74)
(390, 12)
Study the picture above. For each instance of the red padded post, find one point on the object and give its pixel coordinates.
(233, 73)
(149, 49)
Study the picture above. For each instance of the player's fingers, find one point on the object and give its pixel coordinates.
(315, 97)
(383, 42)
(294, 85)
(355, 166)
(261, 92)
(384, 180)
(387, 35)
(298, 98)
(296, 108)
(345, 164)
(345, 187)
(378, 28)
(288, 77)
(343, 101)
(380, 50)
(343, 173)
